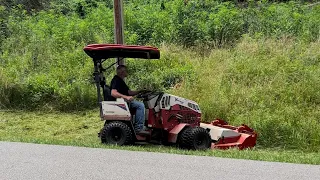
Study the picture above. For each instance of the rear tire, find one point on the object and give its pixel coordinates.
(117, 133)
(196, 138)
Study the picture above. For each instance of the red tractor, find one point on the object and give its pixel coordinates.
(170, 119)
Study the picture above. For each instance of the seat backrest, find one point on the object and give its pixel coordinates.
(107, 93)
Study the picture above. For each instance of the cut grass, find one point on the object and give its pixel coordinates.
(80, 129)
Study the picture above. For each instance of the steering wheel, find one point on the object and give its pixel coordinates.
(145, 94)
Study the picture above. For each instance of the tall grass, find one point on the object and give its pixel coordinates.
(272, 85)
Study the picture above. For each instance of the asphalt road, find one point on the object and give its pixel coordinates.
(35, 161)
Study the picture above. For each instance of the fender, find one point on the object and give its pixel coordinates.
(173, 134)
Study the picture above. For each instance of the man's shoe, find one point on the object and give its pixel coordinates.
(143, 131)
(144, 128)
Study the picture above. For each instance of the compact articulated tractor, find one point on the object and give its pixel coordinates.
(170, 119)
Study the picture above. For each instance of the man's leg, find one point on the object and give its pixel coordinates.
(139, 121)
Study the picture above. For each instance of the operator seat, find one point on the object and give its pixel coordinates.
(107, 93)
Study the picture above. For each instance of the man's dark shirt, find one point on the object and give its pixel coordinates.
(118, 84)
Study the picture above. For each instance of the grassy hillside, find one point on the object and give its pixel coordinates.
(257, 65)
(42, 61)
(271, 85)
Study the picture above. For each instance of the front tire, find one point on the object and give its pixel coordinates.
(196, 138)
(117, 133)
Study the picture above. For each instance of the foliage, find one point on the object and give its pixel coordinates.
(189, 23)
(256, 63)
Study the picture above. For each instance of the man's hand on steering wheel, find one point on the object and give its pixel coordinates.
(128, 98)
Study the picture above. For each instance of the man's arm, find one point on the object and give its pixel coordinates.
(116, 94)
(133, 93)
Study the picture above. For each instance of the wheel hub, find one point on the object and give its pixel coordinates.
(116, 134)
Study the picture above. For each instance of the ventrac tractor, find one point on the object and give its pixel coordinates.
(171, 120)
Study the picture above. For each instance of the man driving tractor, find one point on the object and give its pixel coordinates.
(171, 119)
(119, 89)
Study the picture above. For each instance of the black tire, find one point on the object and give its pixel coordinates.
(117, 133)
(196, 138)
